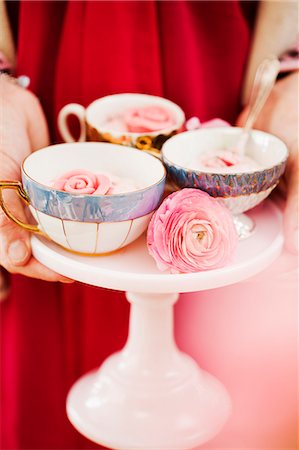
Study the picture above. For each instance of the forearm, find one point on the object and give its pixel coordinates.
(275, 32)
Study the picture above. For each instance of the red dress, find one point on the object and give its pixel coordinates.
(193, 53)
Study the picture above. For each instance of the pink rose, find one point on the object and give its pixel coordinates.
(215, 123)
(190, 232)
(149, 118)
(83, 182)
(194, 123)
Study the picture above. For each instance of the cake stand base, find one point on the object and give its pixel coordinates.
(194, 411)
(149, 396)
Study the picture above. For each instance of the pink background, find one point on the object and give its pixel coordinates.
(246, 335)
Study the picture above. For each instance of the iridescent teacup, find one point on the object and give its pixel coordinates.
(89, 224)
(94, 125)
(240, 191)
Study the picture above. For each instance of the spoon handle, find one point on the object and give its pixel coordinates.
(264, 80)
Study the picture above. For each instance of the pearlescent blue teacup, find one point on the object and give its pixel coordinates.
(240, 191)
(91, 224)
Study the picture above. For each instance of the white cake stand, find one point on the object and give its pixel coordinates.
(150, 395)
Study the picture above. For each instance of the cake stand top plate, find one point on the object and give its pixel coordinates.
(133, 269)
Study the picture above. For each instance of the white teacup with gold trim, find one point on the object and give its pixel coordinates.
(84, 223)
(137, 120)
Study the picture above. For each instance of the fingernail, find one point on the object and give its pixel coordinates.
(18, 252)
(66, 280)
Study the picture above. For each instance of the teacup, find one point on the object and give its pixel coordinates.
(89, 224)
(240, 191)
(94, 126)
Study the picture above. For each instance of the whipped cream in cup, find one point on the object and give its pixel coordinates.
(225, 161)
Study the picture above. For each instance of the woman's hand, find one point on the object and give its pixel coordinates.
(23, 129)
(280, 117)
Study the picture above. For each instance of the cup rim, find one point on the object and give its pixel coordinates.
(226, 130)
(121, 147)
(131, 134)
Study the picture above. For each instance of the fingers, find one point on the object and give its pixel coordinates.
(4, 284)
(15, 248)
(15, 256)
(242, 117)
(34, 269)
(14, 241)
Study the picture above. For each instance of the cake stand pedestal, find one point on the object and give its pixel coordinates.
(150, 395)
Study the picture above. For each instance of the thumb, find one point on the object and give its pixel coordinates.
(15, 247)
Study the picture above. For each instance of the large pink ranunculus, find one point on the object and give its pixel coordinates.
(147, 119)
(191, 232)
(83, 182)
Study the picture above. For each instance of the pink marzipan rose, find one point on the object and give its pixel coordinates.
(147, 119)
(223, 158)
(191, 232)
(83, 182)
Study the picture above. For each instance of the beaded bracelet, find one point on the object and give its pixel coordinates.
(5, 65)
(6, 70)
(22, 80)
(289, 61)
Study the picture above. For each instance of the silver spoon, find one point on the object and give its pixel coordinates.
(264, 80)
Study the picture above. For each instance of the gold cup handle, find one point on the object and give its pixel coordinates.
(17, 186)
(145, 143)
